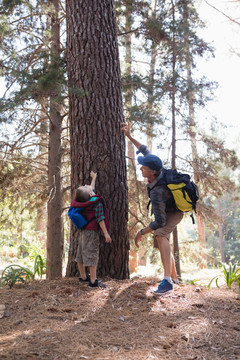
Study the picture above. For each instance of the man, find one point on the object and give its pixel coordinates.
(166, 217)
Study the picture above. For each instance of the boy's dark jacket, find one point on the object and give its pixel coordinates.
(89, 213)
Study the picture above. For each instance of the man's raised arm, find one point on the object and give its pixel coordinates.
(126, 130)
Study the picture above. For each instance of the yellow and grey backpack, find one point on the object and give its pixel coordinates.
(184, 191)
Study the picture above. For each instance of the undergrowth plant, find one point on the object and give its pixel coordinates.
(13, 274)
(229, 274)
(39, 266)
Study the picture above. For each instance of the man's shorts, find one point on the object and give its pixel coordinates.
(88, 247)
(172, 220)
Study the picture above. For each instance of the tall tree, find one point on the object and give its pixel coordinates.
(37, 76)
(173, 94)
(55, 222)
(220, 231)
(128, 95)
(95, 115)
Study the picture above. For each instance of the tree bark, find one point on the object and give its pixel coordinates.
(154, 49)
(202, 240)
(133, 209)
(96, 112)
(173, 99)
(192, 131)
(41, 224)
(220, 232)
(55, 223)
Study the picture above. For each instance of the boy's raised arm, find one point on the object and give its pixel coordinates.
(93, 176)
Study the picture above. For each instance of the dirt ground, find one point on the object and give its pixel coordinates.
(58, 320)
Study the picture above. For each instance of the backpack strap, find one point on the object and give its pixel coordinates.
(193, 221)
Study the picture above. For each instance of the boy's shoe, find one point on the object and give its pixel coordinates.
(84, 280)
(165, 287)
(97, 283)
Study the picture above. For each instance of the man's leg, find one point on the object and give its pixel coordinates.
(166, 254)
(173, 269)
(166, 285)
(162, 236)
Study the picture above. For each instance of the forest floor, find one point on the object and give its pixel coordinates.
(58, 320)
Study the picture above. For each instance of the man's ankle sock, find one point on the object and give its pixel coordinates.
(168, 278)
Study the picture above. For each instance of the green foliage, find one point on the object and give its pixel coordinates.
(35, 248)
(192, 282)
(229, 275)
(14, 273)
(17, 222)
(39, 266)
(9, 5)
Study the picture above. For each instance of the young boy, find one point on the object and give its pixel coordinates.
(88, 238)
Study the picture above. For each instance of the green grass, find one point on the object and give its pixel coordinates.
(229, 273)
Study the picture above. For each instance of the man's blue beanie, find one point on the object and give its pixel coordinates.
(151, 161)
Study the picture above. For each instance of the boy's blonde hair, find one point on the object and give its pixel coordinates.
(81, 194)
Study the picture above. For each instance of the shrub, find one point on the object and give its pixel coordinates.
(229, 275)
(14, 273)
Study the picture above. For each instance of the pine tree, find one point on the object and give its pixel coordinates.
(55, 223)
(97, 142)
(37, 76)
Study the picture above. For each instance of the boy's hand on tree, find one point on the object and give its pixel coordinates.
(108, 238)
(93, 175)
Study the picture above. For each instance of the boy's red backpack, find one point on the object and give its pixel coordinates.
(77, 210)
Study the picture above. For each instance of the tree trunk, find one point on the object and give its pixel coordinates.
(192, 132)
(173, 99)
(95, 110)
(202, 240)
(220, 231)
(41, 224)
(151, 85)
(132, 178)
(55, 224)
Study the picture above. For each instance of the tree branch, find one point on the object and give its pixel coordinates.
(221, 12)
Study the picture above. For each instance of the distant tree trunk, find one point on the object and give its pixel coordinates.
(55, 224)
(220, 231)
(96, 112)
(41, 224)
(173, 99)
(133, 258)
(151, 86)
(192, 129)
(202, 240)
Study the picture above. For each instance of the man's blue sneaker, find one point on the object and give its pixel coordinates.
(164, 288)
